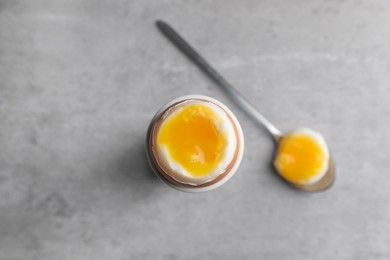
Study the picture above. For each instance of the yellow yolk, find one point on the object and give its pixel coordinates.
(193, 140)
(300, 158)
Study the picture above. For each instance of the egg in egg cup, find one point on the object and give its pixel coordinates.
(194, 143)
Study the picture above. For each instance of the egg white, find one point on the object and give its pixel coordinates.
(223, 124)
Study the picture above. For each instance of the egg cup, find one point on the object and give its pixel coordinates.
(154, 158)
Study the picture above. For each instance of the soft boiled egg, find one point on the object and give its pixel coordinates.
(196, 142)
(302, 157)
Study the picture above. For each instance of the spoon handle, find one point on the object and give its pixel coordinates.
(195, 57)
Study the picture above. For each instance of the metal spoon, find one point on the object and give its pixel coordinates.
(324, 183)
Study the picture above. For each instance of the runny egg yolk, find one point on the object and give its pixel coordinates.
(193, 140)
(301, 158)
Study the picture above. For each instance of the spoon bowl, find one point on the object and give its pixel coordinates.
(322, 184)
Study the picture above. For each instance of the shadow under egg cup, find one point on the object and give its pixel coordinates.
(167, 177)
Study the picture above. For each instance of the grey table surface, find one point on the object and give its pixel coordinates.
(81, 80)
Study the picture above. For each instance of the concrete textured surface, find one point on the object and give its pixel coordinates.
(80, 81)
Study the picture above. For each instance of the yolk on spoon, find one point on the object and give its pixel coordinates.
(193, 140)
(301, 157)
